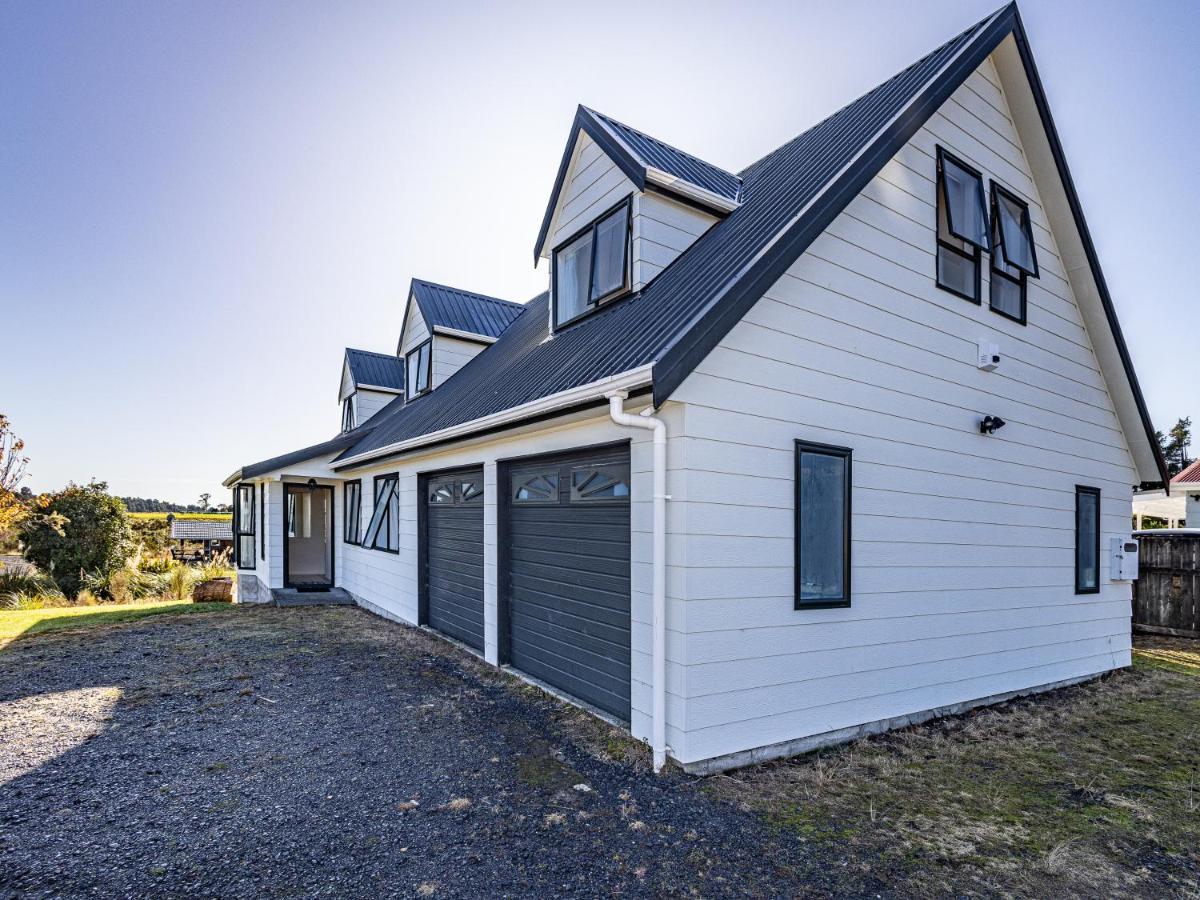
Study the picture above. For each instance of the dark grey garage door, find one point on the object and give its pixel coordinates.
(567, 584)
(453, 584)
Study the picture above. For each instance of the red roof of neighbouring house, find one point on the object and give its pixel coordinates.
(1190, 475)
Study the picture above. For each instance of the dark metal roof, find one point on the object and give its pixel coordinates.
(202, 530)
(375, 369)
(672, 317)
(333, 445)
(653, 152)
(788, 198)
(448, 307)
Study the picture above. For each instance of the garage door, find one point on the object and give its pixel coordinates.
(454, 555)
(568, 574)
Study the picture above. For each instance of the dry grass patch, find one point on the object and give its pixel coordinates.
(1089, 790)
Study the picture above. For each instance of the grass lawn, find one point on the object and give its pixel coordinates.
(22, 623)
(1092, 790)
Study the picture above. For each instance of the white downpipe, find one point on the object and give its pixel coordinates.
(616, 409)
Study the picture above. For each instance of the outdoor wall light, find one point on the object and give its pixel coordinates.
(990, 424)
(312, 482)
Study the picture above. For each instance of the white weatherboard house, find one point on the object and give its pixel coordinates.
(782, 457)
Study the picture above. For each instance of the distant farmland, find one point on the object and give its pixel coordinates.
(210, 517)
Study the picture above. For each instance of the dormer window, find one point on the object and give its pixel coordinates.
(348, 414)
(592, 266)
(962, 226)
(419, 362)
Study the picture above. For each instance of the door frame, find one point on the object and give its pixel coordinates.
(283, 521)
(423, 479)
(504, 469)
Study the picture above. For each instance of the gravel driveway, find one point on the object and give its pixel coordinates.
(326, 752)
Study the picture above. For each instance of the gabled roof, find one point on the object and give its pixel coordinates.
(643, 159)
(1190, 475)
(375, 370)
(788, 198)
(696, 299)
(447, 307)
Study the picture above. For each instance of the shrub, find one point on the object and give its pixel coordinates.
(28, 590)
(84, 530)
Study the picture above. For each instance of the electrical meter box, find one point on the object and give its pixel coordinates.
(1124, 559)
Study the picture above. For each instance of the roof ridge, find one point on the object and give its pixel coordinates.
(1178, 478)
(650, 137)
(458, 290)
(372, 353)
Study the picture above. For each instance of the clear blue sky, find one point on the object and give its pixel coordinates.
(202, 204)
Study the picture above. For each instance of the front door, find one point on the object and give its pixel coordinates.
(308, 537)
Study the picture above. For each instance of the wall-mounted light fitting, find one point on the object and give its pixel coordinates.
(990, 424)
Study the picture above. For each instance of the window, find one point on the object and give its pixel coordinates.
(590, 483)
(822, 526)
(962, 226)
(383, 531)
(592, 266)
(348, 413)
(535, 487)
(243, 513)
(352, 514)
(418, 363)
(262, 518)
(1014, 230)
(1012, 240)
(1087, 540)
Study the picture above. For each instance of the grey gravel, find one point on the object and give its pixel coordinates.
(329, 753)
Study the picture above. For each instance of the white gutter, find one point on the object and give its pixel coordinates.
(595, 390)
(464, 335)
(691, 191)
(647, 421)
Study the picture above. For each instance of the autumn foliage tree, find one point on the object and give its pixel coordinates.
(12, 472)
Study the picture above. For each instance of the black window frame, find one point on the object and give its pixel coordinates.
(239, 528)
(847, 454)
(262, 523)
(348, 422)
(409, 383)
(593, 304)
(999, 190)
(383, 529)
(1080, 491)
(352, 515)
(996, 272)
(976, 257)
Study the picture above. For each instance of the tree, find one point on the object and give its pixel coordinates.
(12, 473)
(1175, 445)
(83, 530)
(204, 498)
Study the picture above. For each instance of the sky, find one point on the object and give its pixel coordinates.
(203, 204)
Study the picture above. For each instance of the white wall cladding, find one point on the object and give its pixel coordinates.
(662, 229)
(367, 403)
(414, 330)
(389, 581)
(450, 354)
(963, 553)
(593, 184)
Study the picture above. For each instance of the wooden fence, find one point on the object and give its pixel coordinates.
(1166, 596)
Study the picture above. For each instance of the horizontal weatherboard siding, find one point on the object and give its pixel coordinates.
(962, 544)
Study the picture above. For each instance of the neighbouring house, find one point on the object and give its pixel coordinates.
(1158, 504)
(782, 456)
